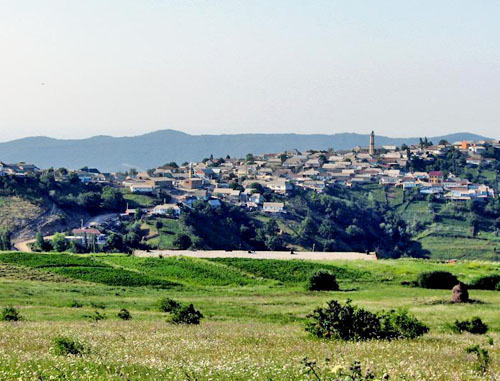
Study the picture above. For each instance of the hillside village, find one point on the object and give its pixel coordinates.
(237, 181)
(264, 185)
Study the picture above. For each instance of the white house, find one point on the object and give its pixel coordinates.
(167, 209)
(142, 188)
(273, 207)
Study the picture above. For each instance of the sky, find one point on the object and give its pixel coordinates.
(74, 69)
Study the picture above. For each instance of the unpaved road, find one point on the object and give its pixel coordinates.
(24, 246)
(99, 220)
(258, 254)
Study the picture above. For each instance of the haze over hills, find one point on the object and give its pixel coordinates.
(153, 149)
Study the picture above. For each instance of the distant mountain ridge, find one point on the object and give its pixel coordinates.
(156, 148)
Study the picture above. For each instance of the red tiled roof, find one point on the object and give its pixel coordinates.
(86, 231)
(436, 173)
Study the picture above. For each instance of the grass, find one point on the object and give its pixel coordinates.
(289, 271)
(443, 247)
(164, 241)
(254, 319)
(188, 270)
(83, 268)
(138, 200)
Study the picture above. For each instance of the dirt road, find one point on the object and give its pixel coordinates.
(258, 254)
(25, 245)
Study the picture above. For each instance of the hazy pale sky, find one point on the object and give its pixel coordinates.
(77, 68)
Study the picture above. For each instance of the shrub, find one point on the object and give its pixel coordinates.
(124, 314)
(187, 315)
(348, 322)
(323, 280)
(437, 279)
(401, 325)
(101, 306)
(483, 357)
(76, 304)
(488, 282)
(169, 305)
(96, 316)
(182, 241)
(475, 326)
(64, 346)
(10, 314)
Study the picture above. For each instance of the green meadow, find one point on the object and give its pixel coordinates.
(254, 317)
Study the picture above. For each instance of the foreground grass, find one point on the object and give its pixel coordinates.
(254, 319)
(222, 351)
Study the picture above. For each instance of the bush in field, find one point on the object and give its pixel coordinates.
(124, 314)
(182, 241)
(483, 357)
(96, 316)
(475, 326)
(437, 279)
(348, 322)
(323, 280)
(401, 325)
(98, 305)
(64, 346)
(10, 314)
(187, 315)
(76, 304)
(488, 282)
(168, 305)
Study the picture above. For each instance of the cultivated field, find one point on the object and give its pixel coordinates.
(255, 312)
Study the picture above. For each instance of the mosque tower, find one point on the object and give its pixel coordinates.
(371, 150)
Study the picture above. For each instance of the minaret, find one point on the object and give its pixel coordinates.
(371, 151)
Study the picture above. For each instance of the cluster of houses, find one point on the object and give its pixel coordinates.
(215, 179)
(242, 181)
(19, 169)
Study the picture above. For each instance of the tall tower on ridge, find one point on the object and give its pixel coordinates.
(371, 150)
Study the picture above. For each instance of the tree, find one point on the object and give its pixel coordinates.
(182, 241)
(275, 242)
(40, 244)
(172, 164)
(307, 227)
(272, 227)
(114, 242)
(250, 158)
(327, 229)
(112, 199)
(5, 240)
(59, 242)
(89, 200)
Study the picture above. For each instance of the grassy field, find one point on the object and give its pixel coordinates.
(255, 313)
